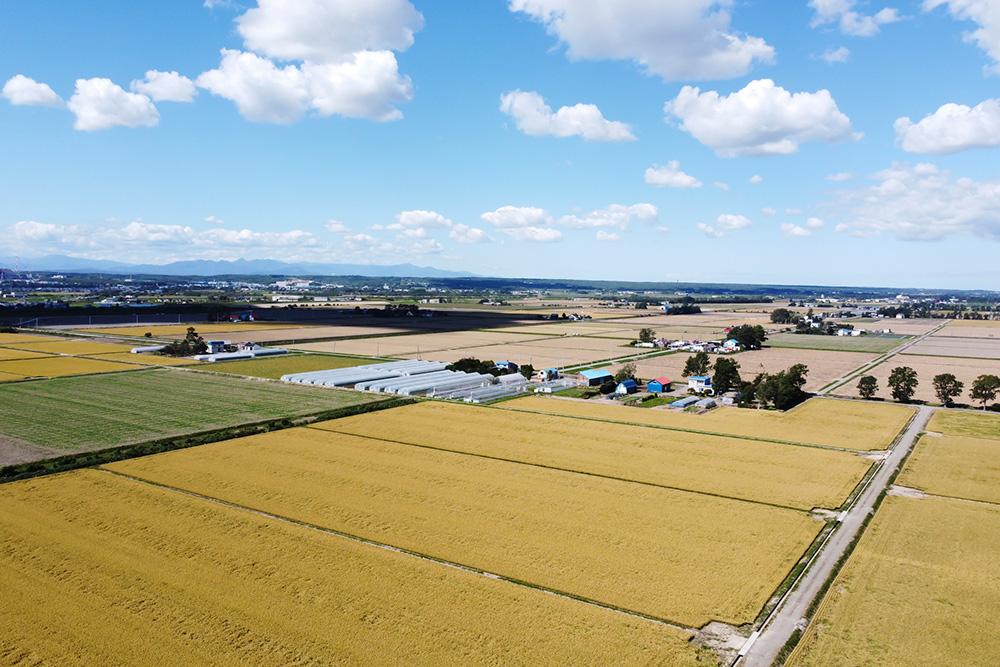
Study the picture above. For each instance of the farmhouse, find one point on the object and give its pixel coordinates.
(658, 385)
(595, 378)
(700, 384)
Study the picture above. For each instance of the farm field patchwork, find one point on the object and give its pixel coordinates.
(570, 353)
(920, 589)
(824, 366)
(303, 334)
(818, 421)
(952, 422)
(414, 344)
(799, 477)
(181, 329)
(7, 377)
(871, 343)
(956, 346)
(116, 572)
(13, 338)
(679, 556)
(966, 370)
(148, 359)
(94, 412)
(955, 466)
(76, 347)
(47, 367)
(275, 367)
(8, 353)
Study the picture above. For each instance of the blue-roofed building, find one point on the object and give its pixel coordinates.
(506, 366)
(595, 378)
(626, 387)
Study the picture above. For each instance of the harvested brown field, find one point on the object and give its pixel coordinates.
(680, 556)
(953, 422)
(164, 330)
(911, 327)
(966, 370)
(920, 589)
(414, 344)
(818, 421)
(825, 366)
(799, 477)
(956, 346)
(955, 466)
(303, 334)
(102, 570)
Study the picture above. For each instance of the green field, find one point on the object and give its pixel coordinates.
(876, 343)
(275, 367)
(93, 412)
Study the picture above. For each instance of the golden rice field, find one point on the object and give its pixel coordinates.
(201, 327)
(955, 466)
(148, 359)
(921, 589)
(58, 366)
(818, 421)
(12, 338)
(799, 477)
(275, 367)
(8, 353)
(7, 377)
(680, 556)
(102, 570)
(951, 422)
(78, 347)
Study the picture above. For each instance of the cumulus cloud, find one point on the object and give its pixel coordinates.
(422, 220)
(710, 231)
(466, 235)
(986, 14)
(815, 223)
(533, 234)
(832, 56)
(215, 220)
(850, 22)
(722, 186)
(755, 179)
(365, 85)
(22, 90)
(730, 221)
(616, 215)
(533, 117)
(328, 31)
(840, 176)
(605, 236)
(165, 87)
(951, 129)
(337, 227)
(920, 203)
(673, 40)
(761, 119)
(670, 175)
(788, 229)
(99, 104)
(510, 217)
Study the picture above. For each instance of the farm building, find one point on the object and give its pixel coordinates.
(595, 378)
(506, 366)
(216, 346)
(700, 384)
(658, 385)
(626, 387)
(706, 403)
(546, 375)
(684, 402)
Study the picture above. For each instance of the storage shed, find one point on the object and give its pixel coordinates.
(658, 385)
(595, 378)
(684, 402)
(706, 403)
(626, 387)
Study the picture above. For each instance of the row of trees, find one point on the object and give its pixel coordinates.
(903, 384)
(781, 390)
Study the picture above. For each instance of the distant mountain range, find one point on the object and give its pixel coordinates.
(239, 267)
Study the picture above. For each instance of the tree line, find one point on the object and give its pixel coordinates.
(903, 384)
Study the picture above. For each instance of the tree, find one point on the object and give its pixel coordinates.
(867, 386)
(607, 388)
(782, 316)
(783, 390)
(947, 387)
(473, 365)
(527, 370)
(903, 383)
(646, 335)
(696, 365)
(726, 375)
(750, 337)
(985, 388)
(626, 372)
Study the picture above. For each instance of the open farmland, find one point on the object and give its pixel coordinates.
(303, 334)
(148, 359)
(972, 329)
(164, 330)
(8, 353)
(676, 555)
(952, 422)
(907, 327)
(414, 344)
(799, 477)
(75, 347)
(955, 466)
(871, 343)
(966, 370)
(957, 346)
(7, 377)
(824, 366)
(818, 421)
(94, 412)
(48, 367)
(920, 589)
(275, 367)
(99, 569)
(15, 338)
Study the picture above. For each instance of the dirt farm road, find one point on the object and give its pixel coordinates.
(791, 612)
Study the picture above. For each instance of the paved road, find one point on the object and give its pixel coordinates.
(779, 627)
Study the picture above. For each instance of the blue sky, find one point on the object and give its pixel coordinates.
(813, 142)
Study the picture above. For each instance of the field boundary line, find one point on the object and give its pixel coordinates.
(407, 552)
(545, 466)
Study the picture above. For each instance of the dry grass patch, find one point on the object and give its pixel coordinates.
(921, 589)
(955, 466)
(679, 556)
(59, 366)
(818, 421)
(100, 570)
(952, 422)
(801, 477)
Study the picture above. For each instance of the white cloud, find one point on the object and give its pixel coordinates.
(464, 234)
(710, 231)
(328, 31)
(607, 237)
(755, 179)
(424, 247)
(951, 129)
(729, 221)
(850, 22)
(533, 234)
(788, 229)
(722, 186)
(671, 175)
(165, 87)
(815, 223)
(100, 104)
(22, 90)
(422, 220)
(615, 215)
(921, 203)
(215, 220)
(832, 56)
(840, 176)
(365, 85)
(533, 117)
(674, 40)
(761, 119)
(793, 211)
(663, 229)
(509, 217)
(767, 210)
(337, 227)
(985, 13)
